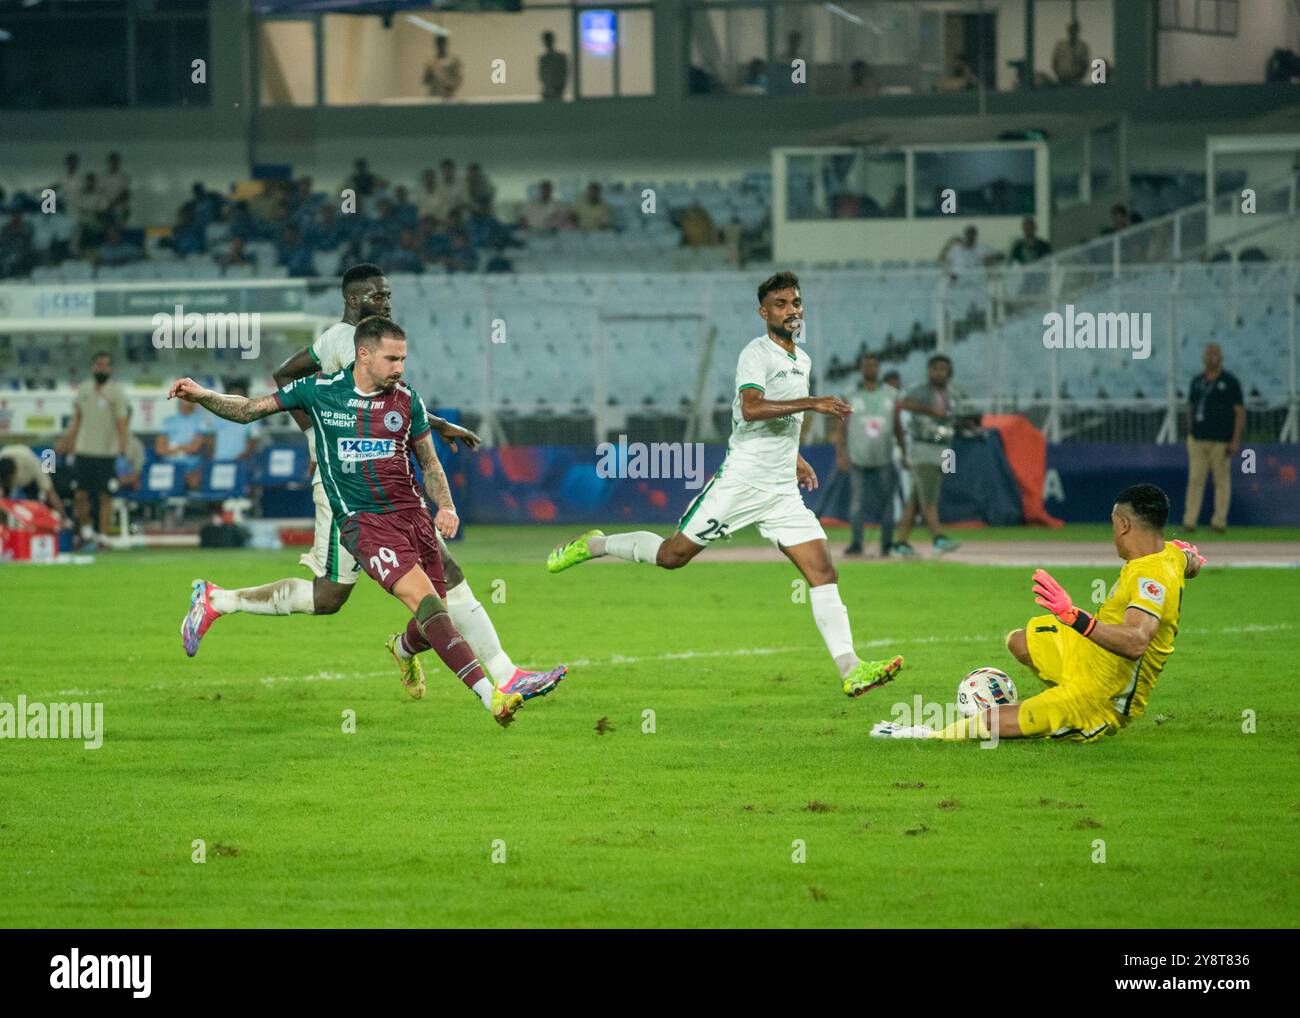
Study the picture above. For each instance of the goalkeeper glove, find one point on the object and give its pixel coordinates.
(1052, 596)
(1190, 549)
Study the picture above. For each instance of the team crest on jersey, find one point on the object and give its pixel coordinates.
(1152, 591)
(393, 421)
(354, 450)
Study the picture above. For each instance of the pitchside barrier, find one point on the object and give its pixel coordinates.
(569, 484)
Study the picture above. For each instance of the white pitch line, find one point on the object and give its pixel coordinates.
(683, 655)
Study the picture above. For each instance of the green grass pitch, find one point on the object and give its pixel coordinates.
(754, 753)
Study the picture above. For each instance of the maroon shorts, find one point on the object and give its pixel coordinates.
(389, 545)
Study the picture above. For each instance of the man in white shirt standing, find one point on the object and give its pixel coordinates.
(965, 255)
(759, 482)
(365, 293)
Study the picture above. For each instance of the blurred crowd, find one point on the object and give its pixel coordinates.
(446, 221)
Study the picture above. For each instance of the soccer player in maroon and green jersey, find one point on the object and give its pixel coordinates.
(365, 421)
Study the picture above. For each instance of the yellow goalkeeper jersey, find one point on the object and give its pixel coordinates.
(1153, 584)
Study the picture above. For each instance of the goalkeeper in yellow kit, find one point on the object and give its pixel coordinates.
(1101, 669)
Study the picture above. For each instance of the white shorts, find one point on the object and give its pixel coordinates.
(328, 557)
(727, 505)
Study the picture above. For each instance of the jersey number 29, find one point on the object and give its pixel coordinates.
(385, 555)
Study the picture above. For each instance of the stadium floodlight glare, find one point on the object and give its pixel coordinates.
(855, 19)
(428, 26)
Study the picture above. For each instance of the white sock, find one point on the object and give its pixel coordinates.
(283, 597)
(832, 620)
(403, 651)
(471, 620)
(638, 546)
(484, 689)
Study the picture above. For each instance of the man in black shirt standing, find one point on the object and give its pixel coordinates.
(1216, 417)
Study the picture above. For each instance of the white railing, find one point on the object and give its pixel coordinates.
(1189, 232)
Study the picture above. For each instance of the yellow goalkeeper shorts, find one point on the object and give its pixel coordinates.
(1076, 709)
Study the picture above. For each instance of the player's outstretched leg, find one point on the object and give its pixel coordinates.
(431, 627)
(869, 675)
(577, 551)
(473, 622)
(638, 546)
(409, 668)
(813, 560)
(208, 602)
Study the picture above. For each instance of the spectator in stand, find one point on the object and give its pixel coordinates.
(434, 240)
(444, 75)
(17, 252)
(230, 440)
(96, 436)
(462, 257)
(592, 212)
(269, 208)
(239, 221)
(1121, 219)
(235, 257)
(116, 251)
(294, 254)
(187, 238)
(328, 230)
(407, 256)
(479, 190)
(92, 214)
(542, 212)
(381, 233)
(697, 228)
(1216, 418)
(404, 212)
(301, 203)
(426, 196)
(69, 189)
(961, 78)
(552, 69)
(862, 80)
(451, 197)
(755, 76)
(362, 181)
(1071, 57)
(965, 255)
(116, 186)
(206, 204)
(182, 440)
(1030, 247)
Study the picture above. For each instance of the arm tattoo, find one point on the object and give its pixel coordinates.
(435, 480)
(239, 409)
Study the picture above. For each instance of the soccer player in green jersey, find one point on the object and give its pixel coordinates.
(365, 421)
(365, 293)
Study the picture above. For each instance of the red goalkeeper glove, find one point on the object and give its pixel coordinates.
(1052, 596)
(1191, 549)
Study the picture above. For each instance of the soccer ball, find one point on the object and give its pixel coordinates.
(984, 688)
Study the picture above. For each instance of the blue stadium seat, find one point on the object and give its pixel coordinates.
(223, 479)
(159, 481)
(283, 466)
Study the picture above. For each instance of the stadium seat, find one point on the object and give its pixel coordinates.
(282, 466)
(225, 481)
